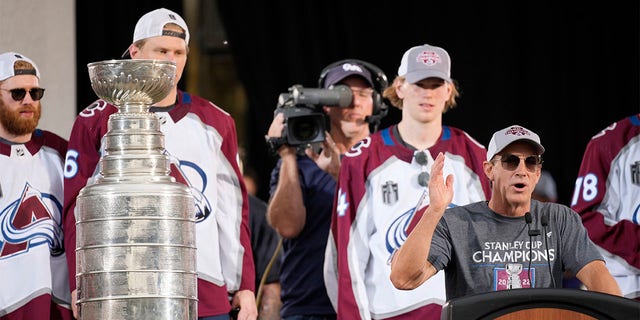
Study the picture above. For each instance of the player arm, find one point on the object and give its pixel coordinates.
(81, 159)
(330, 268)
(350, 239)
(233, 227)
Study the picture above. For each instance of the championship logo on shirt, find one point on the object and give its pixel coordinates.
(635, 173)
(33, 220)
(390, 193)
(513, 276)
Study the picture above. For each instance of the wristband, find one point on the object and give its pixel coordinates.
(275, 143)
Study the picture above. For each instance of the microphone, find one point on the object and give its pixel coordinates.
(528, 220)
(375, 119)
(338, 96)
(544, 221)
(532, 233)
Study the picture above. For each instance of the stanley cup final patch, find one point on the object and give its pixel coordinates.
(635, 173)
(390, 192)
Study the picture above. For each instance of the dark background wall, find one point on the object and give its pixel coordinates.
(562, 70)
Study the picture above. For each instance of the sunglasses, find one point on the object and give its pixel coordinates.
(421, 159)
(18, 94)
(511, 162)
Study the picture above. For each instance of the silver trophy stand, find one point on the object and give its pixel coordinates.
(135, 235)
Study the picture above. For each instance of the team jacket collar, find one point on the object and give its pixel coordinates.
(183, 106)
(18, 149)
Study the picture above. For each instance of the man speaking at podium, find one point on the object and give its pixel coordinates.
(508, 242)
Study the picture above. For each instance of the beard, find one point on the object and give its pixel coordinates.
(14, 124)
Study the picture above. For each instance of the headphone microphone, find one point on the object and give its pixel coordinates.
(375, 119)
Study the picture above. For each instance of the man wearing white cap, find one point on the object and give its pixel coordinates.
(34, 278)
(201, 140)
(382, 191)
(508, 242)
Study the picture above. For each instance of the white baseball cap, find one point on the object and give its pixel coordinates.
(501, 139)
(152, 25)
(425, 61)
(7, 65)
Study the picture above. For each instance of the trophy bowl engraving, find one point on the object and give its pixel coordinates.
(139, 81)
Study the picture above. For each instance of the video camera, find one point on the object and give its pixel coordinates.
(305, 123)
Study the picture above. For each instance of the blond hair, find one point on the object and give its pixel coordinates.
(391, 94)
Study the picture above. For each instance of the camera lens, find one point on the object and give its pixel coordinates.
(304, 125)
(304, 128)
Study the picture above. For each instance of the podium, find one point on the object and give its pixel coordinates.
(543, 303)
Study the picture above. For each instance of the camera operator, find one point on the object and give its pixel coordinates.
(303, 184)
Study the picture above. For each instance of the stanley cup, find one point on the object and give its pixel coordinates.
(135, 241)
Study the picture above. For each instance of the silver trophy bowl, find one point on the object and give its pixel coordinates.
(138, 82)
(135, 225)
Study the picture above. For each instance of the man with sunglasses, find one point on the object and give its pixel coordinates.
(200, 139)
(34, 277)
(510, 241)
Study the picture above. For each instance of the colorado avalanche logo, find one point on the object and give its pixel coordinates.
(402, 225)
(33, 220)
(397, 232)
(188, 173)
(517, 131)
(428, 58)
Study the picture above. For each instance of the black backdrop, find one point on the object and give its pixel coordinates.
(562, 70)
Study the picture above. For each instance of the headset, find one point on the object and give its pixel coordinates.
(380, 82)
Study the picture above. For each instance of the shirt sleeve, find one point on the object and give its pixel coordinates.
(235, 241)
(83, 155)
(347, 251)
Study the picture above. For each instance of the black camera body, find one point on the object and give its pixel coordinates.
(304, 125)
(305, 122)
